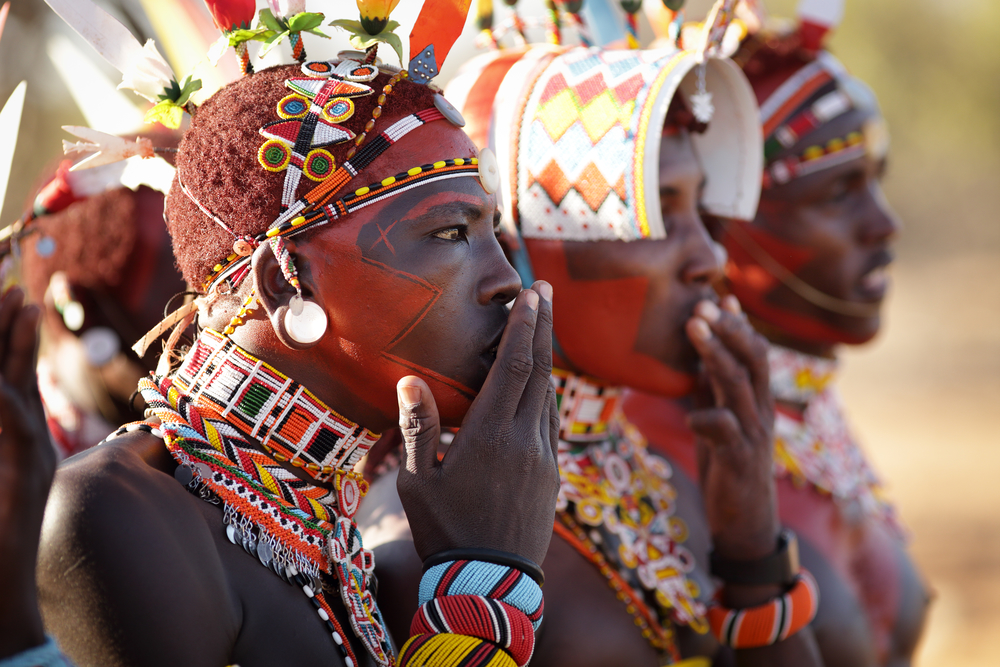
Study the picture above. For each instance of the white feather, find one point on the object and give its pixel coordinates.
(10, 123)
(827, 13)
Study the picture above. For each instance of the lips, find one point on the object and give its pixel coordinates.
(874, 282)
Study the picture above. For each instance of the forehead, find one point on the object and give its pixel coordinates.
(677, 157)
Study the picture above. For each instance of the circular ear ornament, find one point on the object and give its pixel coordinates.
(318, 164)
(274, 155)
(448, 110)
(100, 345)
(305, 321)
(293, 106)
(489, 171)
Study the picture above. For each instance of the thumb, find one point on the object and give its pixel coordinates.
(419, 424)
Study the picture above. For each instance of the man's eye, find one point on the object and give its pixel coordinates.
(450, 234)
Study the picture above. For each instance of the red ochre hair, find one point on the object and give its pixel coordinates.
(769, 58)
(217, 162)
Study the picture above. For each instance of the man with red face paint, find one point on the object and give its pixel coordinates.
(339, 229)
(810, 273)
(603, 170)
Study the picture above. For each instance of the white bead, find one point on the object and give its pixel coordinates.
(337, 638)
(308, 591)
(348, 662)
(322, 614)
(157, 433)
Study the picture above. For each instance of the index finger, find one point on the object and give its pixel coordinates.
(533, 400)
(505, 384)
(743, 342)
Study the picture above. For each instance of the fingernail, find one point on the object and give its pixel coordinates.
(700, 329)
(545, 291)
(732, 304)
(532, 298)
(410, 395)
(709, 311)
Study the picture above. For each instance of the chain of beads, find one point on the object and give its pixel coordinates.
(376, 112)
(659, 637)
(246, 310)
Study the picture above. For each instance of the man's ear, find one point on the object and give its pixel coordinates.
(274, 292)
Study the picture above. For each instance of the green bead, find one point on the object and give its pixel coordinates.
(631, 6)
(673, 5)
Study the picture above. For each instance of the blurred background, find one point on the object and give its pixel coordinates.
(925, 396)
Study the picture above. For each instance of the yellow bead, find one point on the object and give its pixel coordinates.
(459, 162)
(217, 267)
(388, 181)
(439, 165)
(271, 233)
(362, 191)
(474, 160)
(301, 220)
(414, 171)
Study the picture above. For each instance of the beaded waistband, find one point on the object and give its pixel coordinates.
(279, 413)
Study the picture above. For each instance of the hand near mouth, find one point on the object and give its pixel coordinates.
(734, 431)
(497, 484)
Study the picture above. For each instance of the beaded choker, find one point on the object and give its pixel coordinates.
(216, 414)
(817, 446)
(616, 507)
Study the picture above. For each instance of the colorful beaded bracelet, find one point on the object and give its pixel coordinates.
(498, 582)
(769, 623)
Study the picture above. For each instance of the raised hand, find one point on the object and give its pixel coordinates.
(496, 487)
(734, 432)
(27, 464)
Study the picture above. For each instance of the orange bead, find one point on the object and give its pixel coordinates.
(377, 112)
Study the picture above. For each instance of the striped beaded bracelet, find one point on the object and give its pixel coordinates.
(769, 623)
(481, 617)
(497, 582)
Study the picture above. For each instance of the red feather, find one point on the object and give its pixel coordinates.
(231, 15)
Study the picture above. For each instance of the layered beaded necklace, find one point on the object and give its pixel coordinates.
(218, 412)
(816, 446)
(616, 507)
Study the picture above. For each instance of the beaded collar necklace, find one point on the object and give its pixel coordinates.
(817, 446)
(616, 507)
(214, 412)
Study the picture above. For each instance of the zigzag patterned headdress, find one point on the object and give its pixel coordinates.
(577, 134)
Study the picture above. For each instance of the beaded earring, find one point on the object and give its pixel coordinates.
(246, 310)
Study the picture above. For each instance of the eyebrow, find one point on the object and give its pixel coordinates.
(470, 212)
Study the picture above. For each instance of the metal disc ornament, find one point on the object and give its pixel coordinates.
(448, 110)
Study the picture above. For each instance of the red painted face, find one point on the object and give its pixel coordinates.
(415, 285)
(833, 230)
(620, 307)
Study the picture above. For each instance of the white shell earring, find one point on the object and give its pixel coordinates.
(305, 321)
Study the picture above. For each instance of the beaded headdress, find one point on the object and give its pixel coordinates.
(796, 100)
(311, 139)
(577, 134)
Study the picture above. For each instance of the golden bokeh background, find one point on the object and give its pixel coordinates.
(925, 396)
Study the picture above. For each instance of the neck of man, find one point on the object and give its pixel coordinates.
(274, 411)
(777, 336)
(313, 369)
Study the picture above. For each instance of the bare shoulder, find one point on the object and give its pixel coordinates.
(124, 549)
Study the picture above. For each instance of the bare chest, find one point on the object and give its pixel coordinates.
(279, 623)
